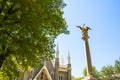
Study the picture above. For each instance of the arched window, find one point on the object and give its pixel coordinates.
(52, 75)
(60, 77)
(42, 75)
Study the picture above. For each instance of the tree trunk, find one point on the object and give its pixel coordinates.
(2, 59)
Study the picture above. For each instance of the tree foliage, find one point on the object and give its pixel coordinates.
(107, 72)
(111, 72)
(76, 78)
(95, 72)
(79, 78)
(117, 66)
(27, 32)
(72, 77)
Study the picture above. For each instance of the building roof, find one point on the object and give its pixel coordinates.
(43, 69)
(48, 67)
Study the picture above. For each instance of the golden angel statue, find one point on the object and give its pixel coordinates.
(84, 31)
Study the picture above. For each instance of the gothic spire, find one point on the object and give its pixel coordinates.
(57, 51)
(68, 57)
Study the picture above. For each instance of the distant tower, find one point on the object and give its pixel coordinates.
(69, 66)
(57, 64)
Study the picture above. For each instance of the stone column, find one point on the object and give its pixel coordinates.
(88, 57)
(87, 53)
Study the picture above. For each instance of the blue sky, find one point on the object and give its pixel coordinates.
(103, 17)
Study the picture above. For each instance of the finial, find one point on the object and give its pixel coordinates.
(68, 57)
(83, 25)
(57, 51)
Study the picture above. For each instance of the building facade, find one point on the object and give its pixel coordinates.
(51, 70)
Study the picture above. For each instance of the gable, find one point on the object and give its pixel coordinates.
(43, 74)
(49, 66)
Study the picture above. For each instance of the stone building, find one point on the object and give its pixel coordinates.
(51, 70)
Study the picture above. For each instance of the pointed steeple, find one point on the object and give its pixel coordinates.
(57, 63)
(69, 67)
(57, 51)
(68, 57)
(62, 61)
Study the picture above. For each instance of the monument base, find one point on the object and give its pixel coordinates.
(90, 77)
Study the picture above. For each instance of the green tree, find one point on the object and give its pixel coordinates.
(72, 77)
(110, 72)
(79, 78)
(107, 72)
(28, 29)
(117, 66)
(95, 72)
